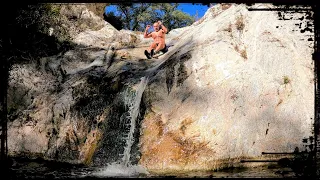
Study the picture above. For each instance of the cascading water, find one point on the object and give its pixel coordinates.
(133, 105)
(124, 168)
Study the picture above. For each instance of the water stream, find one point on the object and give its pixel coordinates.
(132, 100)
(133, 105)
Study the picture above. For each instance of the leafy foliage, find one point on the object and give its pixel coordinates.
(286, 80)
(26, 32)
(135, 16)
(114, 20)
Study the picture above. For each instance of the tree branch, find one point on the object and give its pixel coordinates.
(127, 18)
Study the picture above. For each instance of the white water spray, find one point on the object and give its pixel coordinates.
(125, 168)
(133, 105)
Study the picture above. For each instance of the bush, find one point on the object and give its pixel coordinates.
(286, 80)
(239, 23)
(114, 20)
(27, 32)
(244, 54)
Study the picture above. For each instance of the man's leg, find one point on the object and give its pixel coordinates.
(149, 52)
(159, 47)
(152, 46)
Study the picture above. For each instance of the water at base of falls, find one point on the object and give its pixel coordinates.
(29, 169)
(120, 170)
(23, 168)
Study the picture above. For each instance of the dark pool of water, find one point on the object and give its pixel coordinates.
(40, 169)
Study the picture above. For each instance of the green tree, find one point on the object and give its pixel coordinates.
(114, 20)
(171, 17)
(132, 13)
(181, 19)
(135, 16)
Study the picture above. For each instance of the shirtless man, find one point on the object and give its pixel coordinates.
(159, 39)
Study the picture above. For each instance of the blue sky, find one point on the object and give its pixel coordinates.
(185, 7)
(192, 9)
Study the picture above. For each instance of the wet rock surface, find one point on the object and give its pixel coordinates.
(232, 85)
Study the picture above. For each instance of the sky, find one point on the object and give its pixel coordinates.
(185, 7)
(192, 9)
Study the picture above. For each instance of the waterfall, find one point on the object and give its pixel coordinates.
(132, 100)
(133, 105)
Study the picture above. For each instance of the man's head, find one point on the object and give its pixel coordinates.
(156, 26)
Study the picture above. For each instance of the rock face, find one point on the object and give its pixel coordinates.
(59, 105)
(233, 85)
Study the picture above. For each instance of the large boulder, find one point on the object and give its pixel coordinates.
(235, 85)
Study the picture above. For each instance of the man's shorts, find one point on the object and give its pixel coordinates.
(165, 49)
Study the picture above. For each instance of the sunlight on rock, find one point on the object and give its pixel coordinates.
(232, 85)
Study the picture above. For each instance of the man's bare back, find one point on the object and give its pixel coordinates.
(159, 38)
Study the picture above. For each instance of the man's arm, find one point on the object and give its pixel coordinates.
(146, 35)
(165, 30)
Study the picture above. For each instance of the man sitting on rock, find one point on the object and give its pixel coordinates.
(159, 39)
